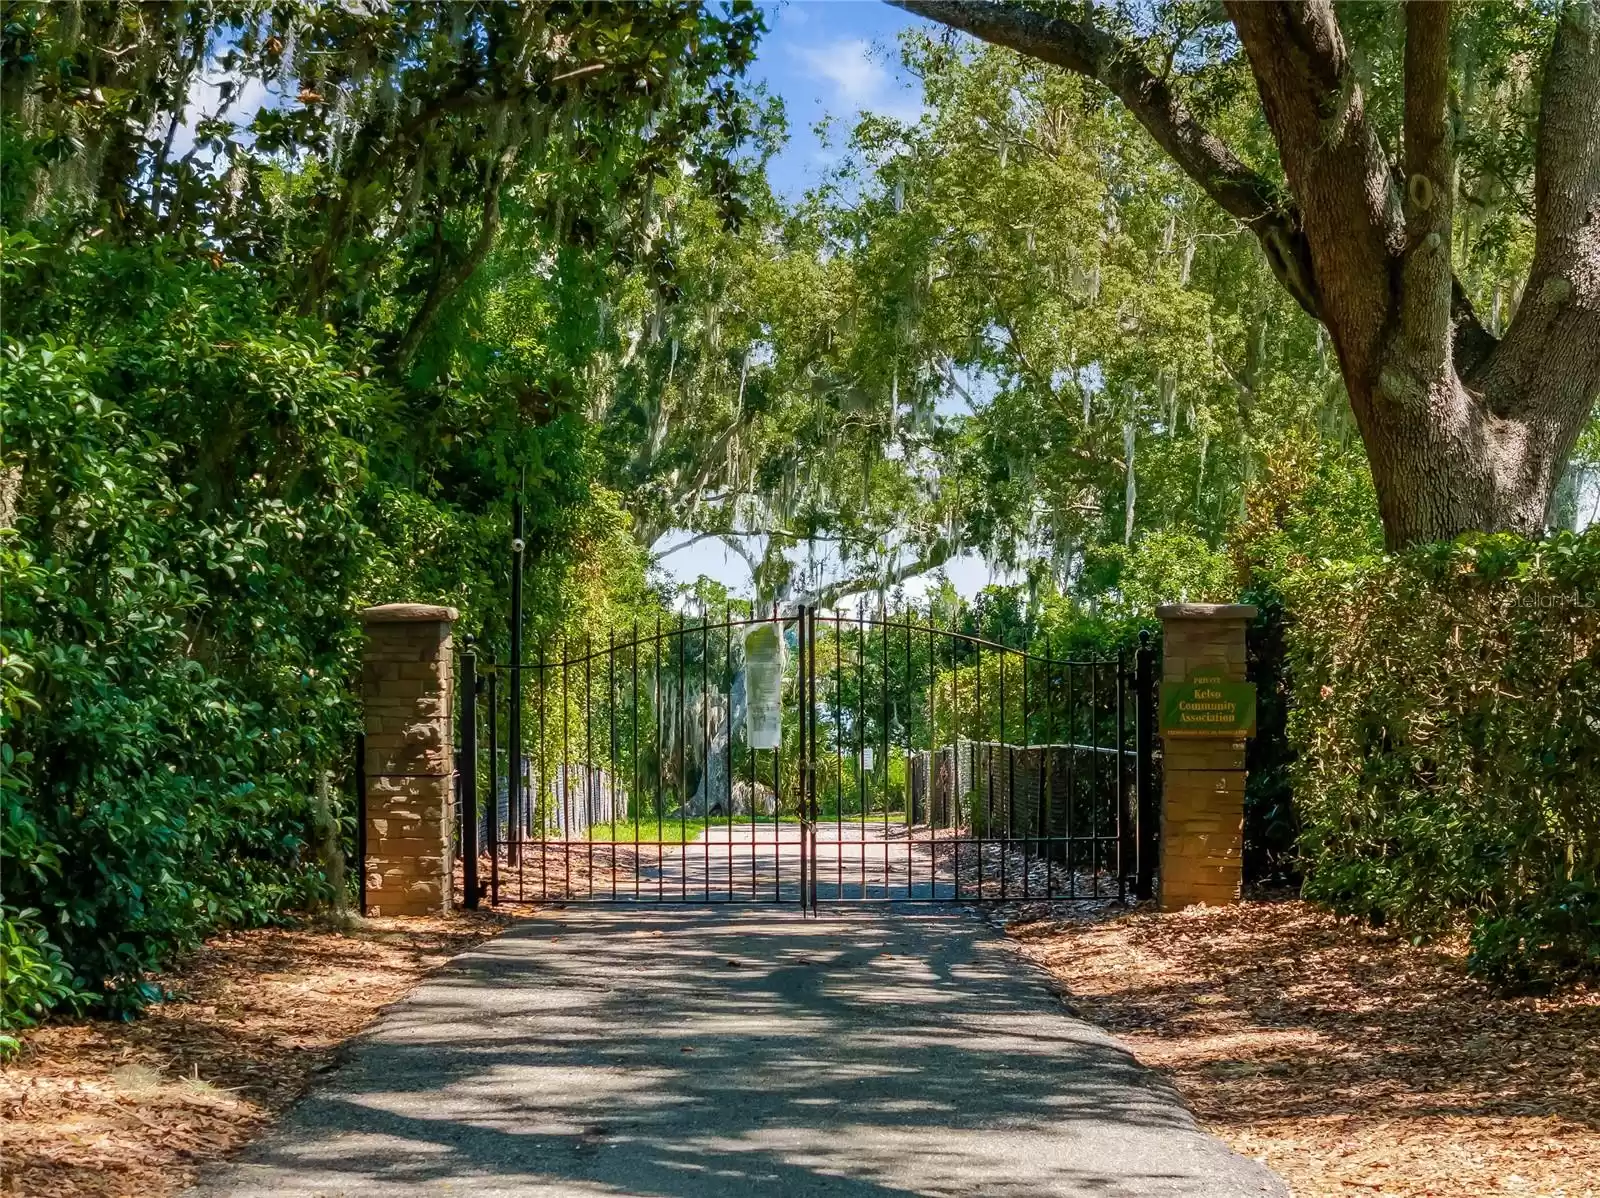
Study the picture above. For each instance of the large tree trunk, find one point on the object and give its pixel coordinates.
(1444, 464)
(1464, 432)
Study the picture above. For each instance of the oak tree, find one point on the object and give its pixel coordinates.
(1466, 426)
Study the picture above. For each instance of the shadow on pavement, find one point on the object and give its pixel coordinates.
(684, 1052)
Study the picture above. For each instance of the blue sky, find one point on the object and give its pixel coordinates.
(825, 58)
(831, 58)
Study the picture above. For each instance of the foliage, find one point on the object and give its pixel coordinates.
(367, 156)
(1271, 817)
(255, 377)
(1451, 124)
(1309, 504)
(33, 977)
(177, 599)
(1162, 566)
(1447, 721)
(1112, 354)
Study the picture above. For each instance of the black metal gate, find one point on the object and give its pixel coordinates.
(911, 764)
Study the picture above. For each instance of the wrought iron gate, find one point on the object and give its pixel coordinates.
(913, 764)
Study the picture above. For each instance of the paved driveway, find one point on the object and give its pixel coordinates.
(684, 1052)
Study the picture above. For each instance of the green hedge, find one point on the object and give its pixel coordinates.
(197, 493)
(176, 632)
(1447, 729)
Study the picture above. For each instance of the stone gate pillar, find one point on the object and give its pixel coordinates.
(406, 687)
(1206, 713)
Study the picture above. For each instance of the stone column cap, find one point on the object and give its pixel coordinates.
(1213, 611)
(406, 613)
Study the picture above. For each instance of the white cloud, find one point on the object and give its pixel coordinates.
(849, 66)
(860, 81)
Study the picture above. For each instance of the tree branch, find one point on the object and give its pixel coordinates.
(1334, 162)
(1425, 274)
(1559, 318)
(1567, 168)
(1205, 158)
(454, 279)
(186, 73)
(694, 540)
(931, 558)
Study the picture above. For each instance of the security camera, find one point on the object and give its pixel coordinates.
(517, 545)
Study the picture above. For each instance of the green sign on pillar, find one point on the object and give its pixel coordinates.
(1206, 705)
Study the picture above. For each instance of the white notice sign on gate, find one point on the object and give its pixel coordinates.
(763, 681)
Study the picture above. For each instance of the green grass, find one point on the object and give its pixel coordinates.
(671, 831)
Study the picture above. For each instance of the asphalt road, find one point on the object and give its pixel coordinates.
(684, 1052)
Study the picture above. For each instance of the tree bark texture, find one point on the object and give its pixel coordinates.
(1464, 432)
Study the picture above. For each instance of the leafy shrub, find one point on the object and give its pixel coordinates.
(33, 977)
(1447, 721)
(203, 492)
(1271, 819)
(1311, 501)
(176, 613)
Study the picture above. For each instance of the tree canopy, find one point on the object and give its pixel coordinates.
(1407, 168)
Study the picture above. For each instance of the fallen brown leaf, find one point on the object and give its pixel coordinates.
(1346, 1059)
(109, 1109)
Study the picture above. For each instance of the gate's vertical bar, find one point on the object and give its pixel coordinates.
(905, 699)
(537, 806)
(660, 736)
(861, 733)
(493, 828)
(1094, 777)
(683, 736)
(978, 830)
(883, 717)
(933, 758)
(811, 724)
(566, 768)
(800, 754)
(809, 798)
(750, 769)
(1004, 747)
(1072, 783)
(705, 740)
(1122, 779)
(957, 796)
(611, 748)
(633, 794)
(586, 770)
(514, 719)
(727, 729)
(1027, 881)
(1047, 783)
(778, 787)
(839, 754)
(1148, 817)
(468, 735)
(361, 823)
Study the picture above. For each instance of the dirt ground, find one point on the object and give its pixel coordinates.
(1349, 1061)
(98, 1108)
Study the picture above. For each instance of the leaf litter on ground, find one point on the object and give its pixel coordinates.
(1347, 1059)
(110, 1109)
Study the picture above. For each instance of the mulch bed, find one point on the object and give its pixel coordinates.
(1348, 1060)
(101, 1108)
